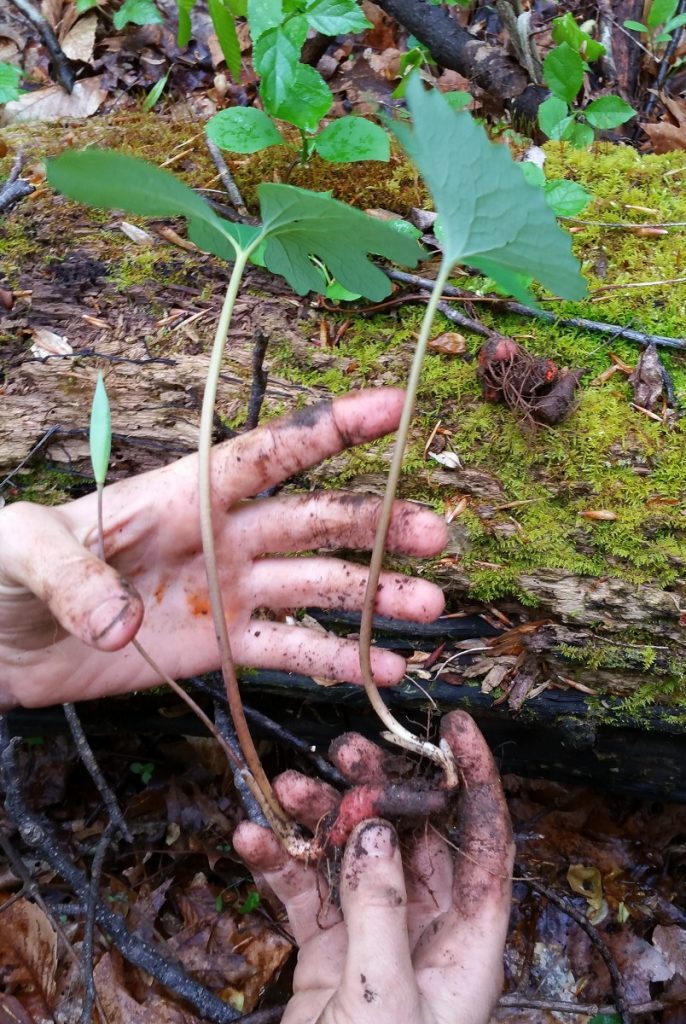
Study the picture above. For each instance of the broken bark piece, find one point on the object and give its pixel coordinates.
(553, 407)
(648, 378)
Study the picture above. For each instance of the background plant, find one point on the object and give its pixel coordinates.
(661, 22)
(563, 72)
(491, 218)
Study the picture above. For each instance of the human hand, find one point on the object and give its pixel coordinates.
(421, 934)
(63, 611)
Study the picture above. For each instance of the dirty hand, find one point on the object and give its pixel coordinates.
(421, 934)
(62, 611)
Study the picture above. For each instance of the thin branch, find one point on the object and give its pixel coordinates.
(14, 188)
(260, 377)
(515, 1001)
(229, 184)
(597, 326)
(62, 67)
(37, 833)
(665, 62)
(88, 757)
(89, 993)
(567, 908)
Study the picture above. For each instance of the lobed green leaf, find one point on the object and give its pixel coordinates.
(302, 224)
(491, 217)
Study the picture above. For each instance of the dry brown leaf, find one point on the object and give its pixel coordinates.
(12, 1012)
(670, 940)
(136, 234)
(121, 1008)
(450, 343)
(79, 42)
(28, 950)
(386, 63)
(53, 103)
(602, 515)
(52, 11)
(665, 137)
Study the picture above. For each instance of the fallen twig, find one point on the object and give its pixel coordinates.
(514, 1000)
(93, 768)
(618, 989)
(14, 188)
(37, 833)
(63, 70)
(229, 184)
(613, 330)
(89, 993)
(258, 384)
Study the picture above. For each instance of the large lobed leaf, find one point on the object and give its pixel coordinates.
(116, 181)
(490, 216)
(301, 224)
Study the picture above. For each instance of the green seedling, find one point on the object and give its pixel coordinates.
(662, 22)
(563, 72)
(143, 769)
(491, 219)
(10, 77)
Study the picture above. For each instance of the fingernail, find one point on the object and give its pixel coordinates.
(106, 615)
(378, 841)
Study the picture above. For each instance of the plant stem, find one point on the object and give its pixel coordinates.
(272, 810)
(396, 732)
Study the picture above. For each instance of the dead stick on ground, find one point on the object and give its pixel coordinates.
(618, 989)
(63, 70)
(227, 179)
(14, 188)
(613, 330)
(88, 757)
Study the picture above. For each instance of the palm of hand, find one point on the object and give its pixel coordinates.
(419, 937)
(156, 567)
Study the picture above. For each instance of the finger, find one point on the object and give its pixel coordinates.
(270, 454)
(272, 645)
(378, 966)
(429, 881)
(336, 520)
(86, 596)
(485, 832)
(299, 887)
(305, 799)
(333, 583)
(360, 760)
(469, 939)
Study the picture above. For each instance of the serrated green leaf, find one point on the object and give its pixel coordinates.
(566, 198)
(675, 23)
(262, 16)
(566, 30)
(580, 135)
(551, 113)
(533, 173)
(224, 25)
(635, 26)
(243, 130)
(660, 12)
(115, 181)
(349, 139)
(10, 76)
(185, 28)
(100, 436)
(85, 5)
(136, 12)
(491, 218)
(306, 102)
(156, 91)
(334, 17)
(276, 57)
(563, 72)
(608, 112)
(457, 99)
(301, 224)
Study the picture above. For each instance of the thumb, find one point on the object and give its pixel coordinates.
(378, 978)
(88, 598)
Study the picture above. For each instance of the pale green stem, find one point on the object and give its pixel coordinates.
(273, 810)
(396, 732)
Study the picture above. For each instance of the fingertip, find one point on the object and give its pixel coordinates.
(114, 621)
(469, 746)
(364, 415)
(372, 874)
(258, 847)
(305, 799)
(388, 668)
